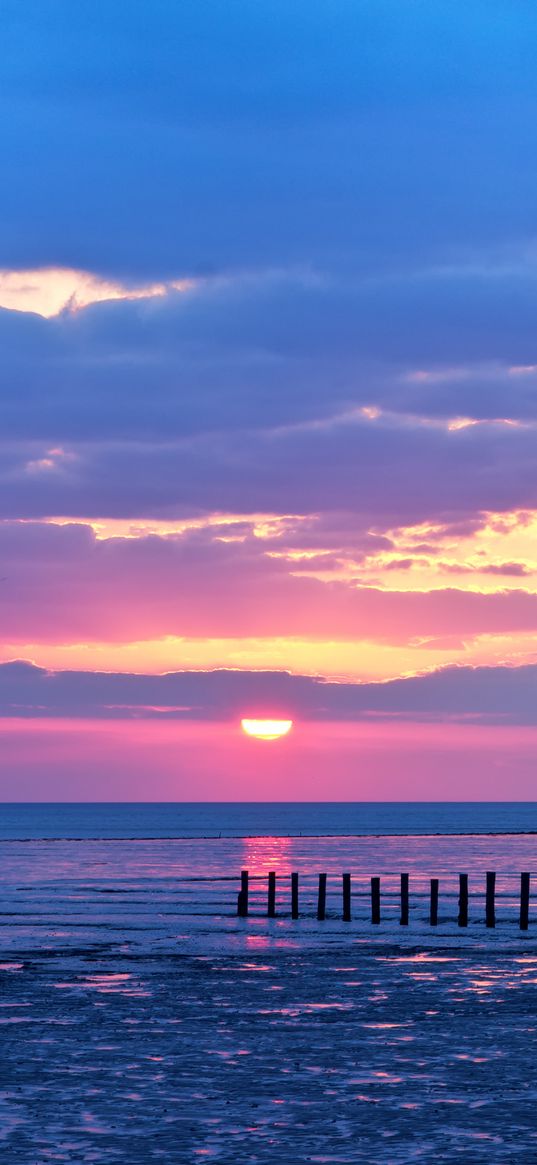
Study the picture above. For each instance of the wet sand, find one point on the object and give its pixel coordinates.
(357, 1054)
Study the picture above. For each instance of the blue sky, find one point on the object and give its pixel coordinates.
(346, 136)
(268, 388)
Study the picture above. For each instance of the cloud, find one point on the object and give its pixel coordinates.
(50, 291)
(372, 469)
(60, 584)
(265, 350)
(329, 217)
(492, 695)
(512, 569)
(286, 389)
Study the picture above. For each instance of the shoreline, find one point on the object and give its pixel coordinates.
(277, 836)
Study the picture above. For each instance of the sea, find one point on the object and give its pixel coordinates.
(143, 1020)
(213, 820)
(147, 875)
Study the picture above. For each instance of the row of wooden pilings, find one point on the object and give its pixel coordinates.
(462, 917)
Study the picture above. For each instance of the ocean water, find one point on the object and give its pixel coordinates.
(167, 876)
(263, 819)
(141, 1019)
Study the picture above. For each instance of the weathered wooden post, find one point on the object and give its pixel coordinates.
(271, 905)
(433, 916)
(404, 900)
(490, 915)
(463, 900)
(524, 901)
(375, 901)
(321, 898)
(294, 895)
(346, 898)
(242, 900)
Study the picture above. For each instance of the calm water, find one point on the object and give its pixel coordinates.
(259, 819)
(145, 875)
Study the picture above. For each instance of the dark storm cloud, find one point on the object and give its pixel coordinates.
(493, 695)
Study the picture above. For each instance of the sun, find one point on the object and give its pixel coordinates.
(266, 729)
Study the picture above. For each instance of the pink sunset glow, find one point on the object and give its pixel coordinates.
(68, 760)
(289, 618)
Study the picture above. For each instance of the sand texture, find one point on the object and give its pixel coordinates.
(350, 1055)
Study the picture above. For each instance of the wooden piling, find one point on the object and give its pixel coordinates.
(271, 904)
(463, 900)
(433, 915)
(242, 901)
(375, 900)
(346, 898)
(321, 898)
(524, 901)
(404, 900)
(490, 914)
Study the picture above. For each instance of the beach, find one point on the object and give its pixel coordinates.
(344, 1055)
(173, 1030)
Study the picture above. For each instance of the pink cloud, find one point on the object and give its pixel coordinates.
(60, 584)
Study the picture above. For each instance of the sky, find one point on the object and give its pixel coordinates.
(268, 399)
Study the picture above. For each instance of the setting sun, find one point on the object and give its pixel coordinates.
(266, 729)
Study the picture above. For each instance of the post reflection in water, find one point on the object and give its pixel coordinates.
(260, 855)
